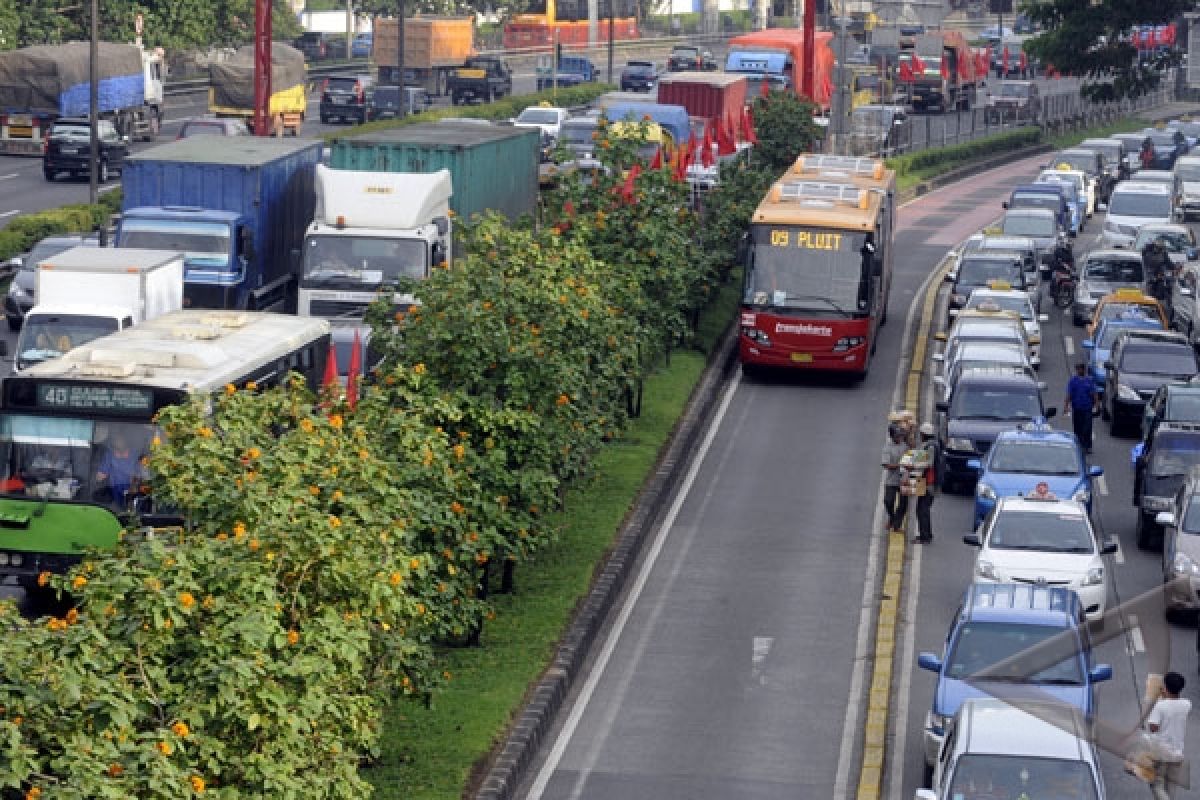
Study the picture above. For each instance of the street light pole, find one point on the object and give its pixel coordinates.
(93, 103)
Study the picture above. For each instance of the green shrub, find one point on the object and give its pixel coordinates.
(28, 229)
(941, 159)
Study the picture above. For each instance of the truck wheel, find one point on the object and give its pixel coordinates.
(48, 174)
(153, 125)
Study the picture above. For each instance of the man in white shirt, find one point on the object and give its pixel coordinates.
(1168, 723)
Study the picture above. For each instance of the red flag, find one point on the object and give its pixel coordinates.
(706, 146)
(657, 161)
(726, 140)
(627, 187)
(569, 208)
(748, 125)
(331, 368)
(918, 66)
(764, 88)
(906, 71)
(945, 69)
(355, 372)
(1004, 59)
(1022, 61)
(685, 158)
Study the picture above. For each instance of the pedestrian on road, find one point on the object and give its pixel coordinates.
(1167, 723)
(895, 503)
(1083, 401)
(929, 444)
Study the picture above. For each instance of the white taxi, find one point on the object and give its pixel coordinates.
(1085, 185)
(1041, 540)
(999, 296)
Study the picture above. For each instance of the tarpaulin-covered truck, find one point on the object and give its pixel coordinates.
(943, 74)
(231, 87)
(42, 83)
(433, 48)
(711, 96)
(776, 55)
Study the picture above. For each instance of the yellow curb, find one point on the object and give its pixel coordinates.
(870, 776)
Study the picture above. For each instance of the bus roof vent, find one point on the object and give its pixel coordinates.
(109, 358)
(226, 319)
(111, 369)
(832, 166)
(193, 332)
(812, 194)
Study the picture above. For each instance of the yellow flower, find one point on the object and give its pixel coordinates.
(164, 748)
(253, 452)
(156, 442)
(253, 544)
(78, 582)
(447, 675)
(414, 563)
(293, 638)
(337, 495)
(222, 536)
(181, 730)
(458, 507)
(251, 386)
(72, 616)
(314, 490)
(43, 578)
(421, 608)
(230, 389)
(115, 770)
(563, 400)
(334, 522)
(419, 369)
(395, 579)
(205, 432)
(459, 452)
(453, 570)
(441, 587)
(239, 529)
(110, 610)
(186, 600)
(335, 421)
(197, 784)
(306, 425)
(33, 794)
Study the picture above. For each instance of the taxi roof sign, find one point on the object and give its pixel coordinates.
(1063, 166)
(1131, 294)
(999, 285)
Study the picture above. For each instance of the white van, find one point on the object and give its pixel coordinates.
(1187, 173)
(1132, 205)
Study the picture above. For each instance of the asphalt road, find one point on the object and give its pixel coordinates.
(734, 666)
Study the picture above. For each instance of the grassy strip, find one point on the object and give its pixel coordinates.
(28, 229)
(429, 752)
(1062, 141)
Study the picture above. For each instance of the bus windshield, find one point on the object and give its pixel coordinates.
(72, 459)
(45, 336)
(363, 259)
(806, 269)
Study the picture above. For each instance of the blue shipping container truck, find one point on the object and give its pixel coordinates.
(236, 207)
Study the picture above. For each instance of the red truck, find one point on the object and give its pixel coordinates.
(941, 67)
(776, 55)
(714, 96)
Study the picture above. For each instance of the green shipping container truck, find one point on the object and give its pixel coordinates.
(492, 167)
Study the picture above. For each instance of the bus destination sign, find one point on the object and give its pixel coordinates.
(119, 399)
(808, 240)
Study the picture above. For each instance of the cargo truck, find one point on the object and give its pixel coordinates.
(231, 88)
(712, 96)
(237, 207)
(492, 167)
(776, 56)
(947, 78)
(42, 83)
(88, 292)
(371, 229)
(434, 47)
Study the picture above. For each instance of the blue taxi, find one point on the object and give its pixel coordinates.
(1100, 348)
(1021, 459)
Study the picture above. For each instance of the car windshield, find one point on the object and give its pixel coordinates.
(537, 116)
(1036, 200)
(1034, 530)
(1128, 311)
(1035, 458)
(685, 52)
(1191, 519)
(1084, 162)
(577, 134)
(1183, 406)
(1029, 225)
(638, 68)
(1109, 333)
(342, 84)
(1013, 90)
(1140, 204)
(71, 131)
(1174, 454)
(1166, 140)
(46, 336)
(1017, 303)
(44, 249)
(1188, 172)
(1174, 241)
(980, 775)
(982, 645)
(995, 403)
(363, 259)
(981, 271)
(1113, 270)
(1159, 359)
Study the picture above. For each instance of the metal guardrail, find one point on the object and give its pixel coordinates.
(197, 85)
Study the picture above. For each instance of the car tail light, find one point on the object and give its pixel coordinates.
(324, 86)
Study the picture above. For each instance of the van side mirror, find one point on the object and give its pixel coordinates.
(973, 540)
(442, 224)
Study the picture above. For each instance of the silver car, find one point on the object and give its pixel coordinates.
(1103, 272)
(1134, 204)
(1187, 171)
(1181, 545)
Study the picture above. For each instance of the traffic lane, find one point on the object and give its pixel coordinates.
(733, 673)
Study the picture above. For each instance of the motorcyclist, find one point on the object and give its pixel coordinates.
(1156, 263)
(1063, 278)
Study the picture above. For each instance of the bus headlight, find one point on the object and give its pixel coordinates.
(3, 559)
(757, 335)
(848, 342)
(16, 559)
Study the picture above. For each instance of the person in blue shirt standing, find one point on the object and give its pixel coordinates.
(119, 468)
(1082, 403)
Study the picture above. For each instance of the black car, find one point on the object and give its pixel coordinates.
(684, 58)
(1141, 362)
(68, 149)
(1160, 467)
(347, 98)
(387, 102)
(1173, 402)
(639, 76)
(20, 297)
(982, 404)
(979, 268)
(321, 46)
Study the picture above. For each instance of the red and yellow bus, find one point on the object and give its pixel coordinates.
(818, 267)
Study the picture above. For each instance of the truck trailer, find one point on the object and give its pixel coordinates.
(236, 207)
(943, 74)
(433, 48)
(40, 84)
(231, 87)
(776, 56)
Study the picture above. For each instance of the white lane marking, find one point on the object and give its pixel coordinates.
(760, 648)
(1119, 556)
(108, 188)
(631, 600)
(902, 688)
(1101, 485)
(1135, 634)
(863, 643)
(12, 213)
(9, 176)
(1069, 345)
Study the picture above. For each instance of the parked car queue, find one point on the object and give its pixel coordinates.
(1043, 568)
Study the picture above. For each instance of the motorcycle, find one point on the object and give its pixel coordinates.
(1062, 285)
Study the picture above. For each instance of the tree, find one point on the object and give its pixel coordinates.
(1090, 39)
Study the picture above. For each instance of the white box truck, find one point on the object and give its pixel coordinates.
(370, 229)
(87, 292)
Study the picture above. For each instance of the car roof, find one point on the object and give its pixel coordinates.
(1052, 730)
(1113, 252)
(985, 292)
(1057, 506)
(1022, 603)
(1076, 151)
(992, 255)
(1141, 187)
(999, 379)
(1030, 212)
(1153, 336)
(1041, 433)
(1173, 227)
(977, 349)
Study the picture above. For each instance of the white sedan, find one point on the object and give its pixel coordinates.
(1043, 541)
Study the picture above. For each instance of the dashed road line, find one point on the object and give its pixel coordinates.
(1101, 485)
(1135, 635)
(12, 213)
(1119, 555)
(1069, 345)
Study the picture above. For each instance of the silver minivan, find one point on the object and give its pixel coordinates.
(1132, 205)
(1113, 151)
(1187, 173)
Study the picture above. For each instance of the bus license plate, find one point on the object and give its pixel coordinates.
(802, 358)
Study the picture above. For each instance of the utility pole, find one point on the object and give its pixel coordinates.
(262, 67)
(611, 3)
(400, 45)
(94, 103)
(349, 28)
(810, 49)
